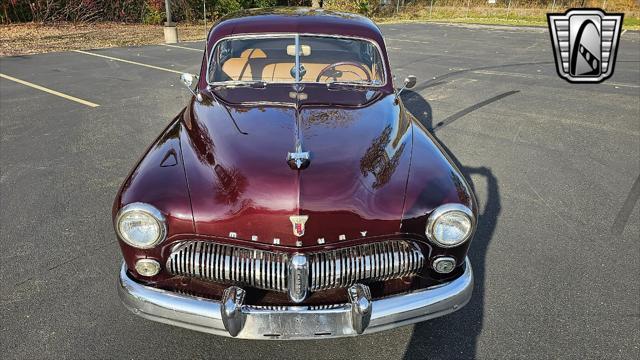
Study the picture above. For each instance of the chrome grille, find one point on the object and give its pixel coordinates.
(285, 308)
(377, 261)
(230, 264)
(268, 270)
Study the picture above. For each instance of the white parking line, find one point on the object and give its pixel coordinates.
(540, 77)
(129, 62)
(620, 84)
(183, 47)
(53, 92)
(406, 40)
(503, 73)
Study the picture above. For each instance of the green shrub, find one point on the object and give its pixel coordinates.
(153, 17)
(224, 7)
(264, 3)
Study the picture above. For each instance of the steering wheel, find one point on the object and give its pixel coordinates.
(334, 65)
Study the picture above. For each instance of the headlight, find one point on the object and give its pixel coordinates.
(450, 225)
(140, 225)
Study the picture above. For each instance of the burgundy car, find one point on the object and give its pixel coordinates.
(294, 197)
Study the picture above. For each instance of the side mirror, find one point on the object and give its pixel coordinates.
(187, 79)
(409, 82)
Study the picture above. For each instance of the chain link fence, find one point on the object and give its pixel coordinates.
(529, 11)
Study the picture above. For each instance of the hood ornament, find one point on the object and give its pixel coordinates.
(299, 159)
(298, 222)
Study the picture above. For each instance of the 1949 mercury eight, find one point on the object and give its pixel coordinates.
(294, 197)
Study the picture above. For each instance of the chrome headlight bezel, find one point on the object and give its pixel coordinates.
(443, 210)
(147, 210)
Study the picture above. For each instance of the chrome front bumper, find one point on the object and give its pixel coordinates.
(230, 317)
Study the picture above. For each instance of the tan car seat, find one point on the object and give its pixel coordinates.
(255, 61)
(240, 68)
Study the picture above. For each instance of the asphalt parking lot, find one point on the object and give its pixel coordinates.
(556, 168)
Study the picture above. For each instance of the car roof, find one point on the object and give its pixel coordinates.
(296, 20)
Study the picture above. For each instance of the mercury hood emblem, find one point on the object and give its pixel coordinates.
(299, 159)
(298, 222)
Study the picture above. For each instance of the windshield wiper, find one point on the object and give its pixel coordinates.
(358, 85)
(256, 84)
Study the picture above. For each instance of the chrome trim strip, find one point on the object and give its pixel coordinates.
(335, 320)
(293, 35)
(297, 64)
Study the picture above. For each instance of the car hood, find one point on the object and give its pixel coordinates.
(235, 159)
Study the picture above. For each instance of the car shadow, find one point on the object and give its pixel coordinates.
(455, 335)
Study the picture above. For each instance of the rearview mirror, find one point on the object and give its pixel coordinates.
(305, 50)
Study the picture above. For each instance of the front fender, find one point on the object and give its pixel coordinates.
(159, 179)
(434, 180)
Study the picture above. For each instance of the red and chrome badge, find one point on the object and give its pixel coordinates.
(298, 224)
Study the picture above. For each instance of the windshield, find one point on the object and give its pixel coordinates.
(318, 59)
